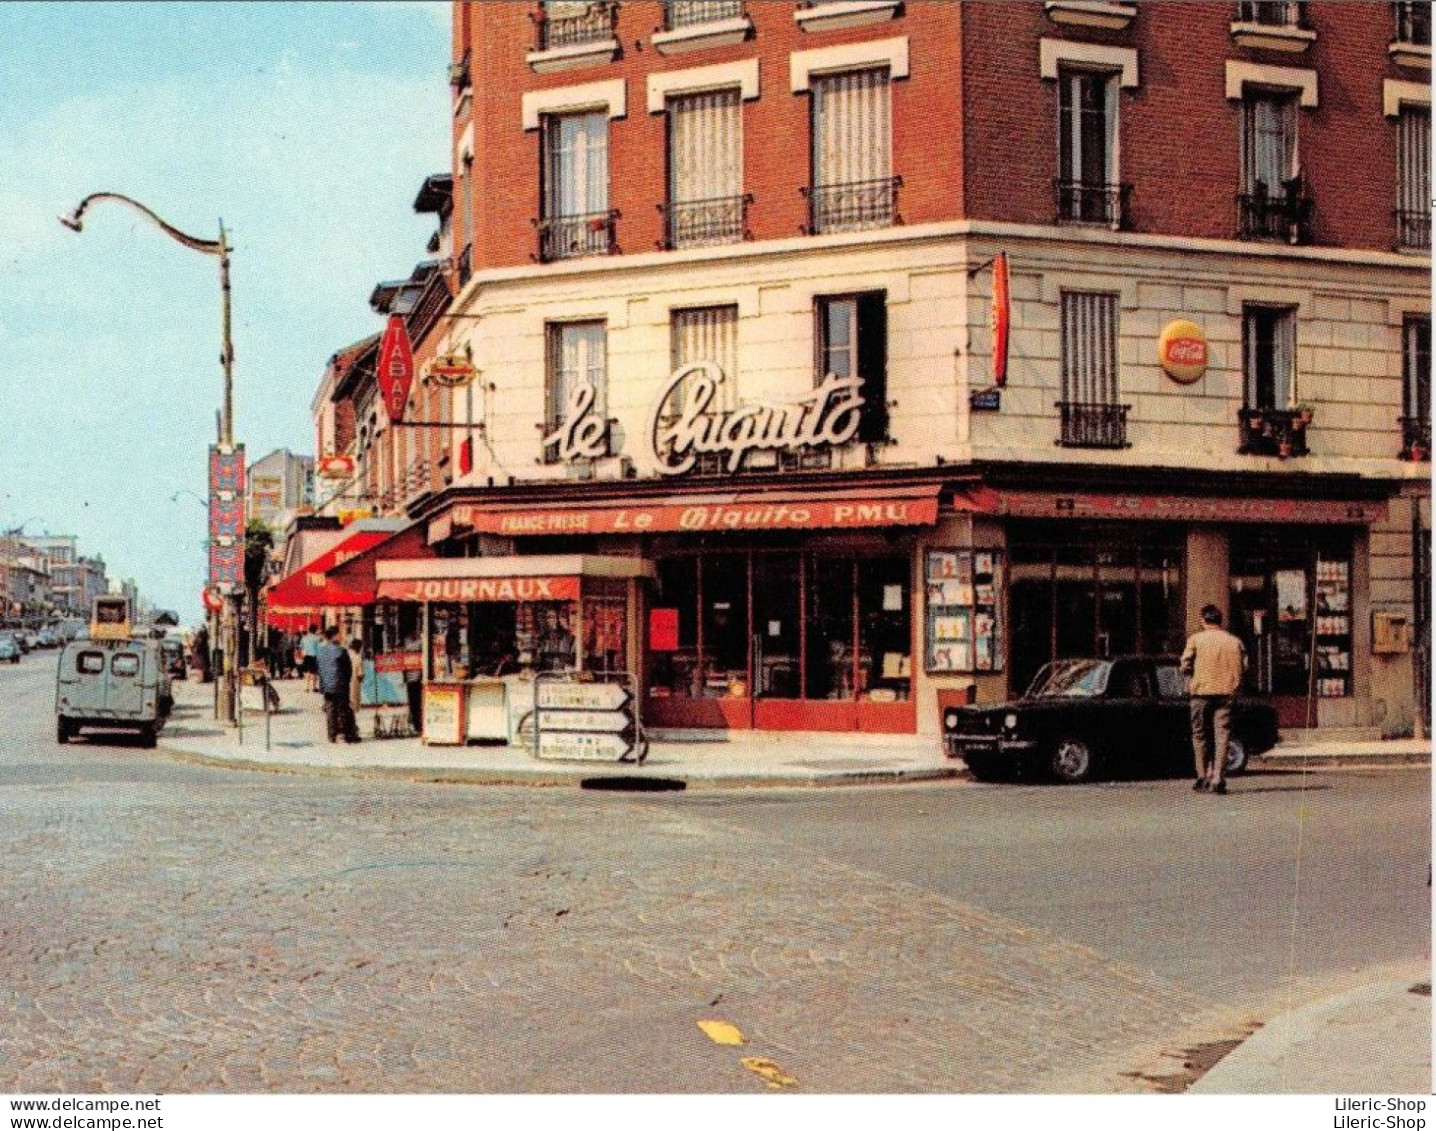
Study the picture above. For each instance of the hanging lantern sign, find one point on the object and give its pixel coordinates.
(451, 370)
(396, 367)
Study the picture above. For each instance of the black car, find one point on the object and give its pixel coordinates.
(1085, 717)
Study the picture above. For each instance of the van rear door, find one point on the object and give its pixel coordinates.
(125, 688)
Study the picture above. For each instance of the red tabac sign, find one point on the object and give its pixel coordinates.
(1001, 318)
(396, 367)
(716, 516)
(481, 589)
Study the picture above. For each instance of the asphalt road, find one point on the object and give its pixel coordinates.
(172, 928)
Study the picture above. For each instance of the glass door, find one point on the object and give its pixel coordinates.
(777, 640)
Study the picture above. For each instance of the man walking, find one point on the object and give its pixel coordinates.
(335, 672)
(1213, 663)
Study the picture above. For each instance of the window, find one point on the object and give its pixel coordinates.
(1269, 342)
(125, 664)
(688, 13)
(853, 186)
(705, 169)
(1271, 13)
(853, 342)
(1413, 177)
(577, 362)
(708, 333)
(1413, 22)
(576, 218)
(571, 23)
(1091, 416)
(1416, 387)
(1273, 203)
(1087, 148)
(90, 663)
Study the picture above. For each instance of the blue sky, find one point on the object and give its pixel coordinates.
(308, 128)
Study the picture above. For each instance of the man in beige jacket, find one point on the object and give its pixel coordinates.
(1213, 663)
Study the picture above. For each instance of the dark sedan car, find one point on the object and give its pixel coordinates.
(1081, 718)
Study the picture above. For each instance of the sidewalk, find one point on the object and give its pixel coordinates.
(733, 759)
(298, 744)
(1375, 1040)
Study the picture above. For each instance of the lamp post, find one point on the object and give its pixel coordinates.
(226, 700)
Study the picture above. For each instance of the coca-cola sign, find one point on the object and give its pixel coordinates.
(687, 423)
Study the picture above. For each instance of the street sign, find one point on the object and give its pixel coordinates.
(396, 367)
(564, 746)
(582, 696)
(600, 722)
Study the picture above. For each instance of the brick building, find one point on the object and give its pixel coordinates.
(737, 278)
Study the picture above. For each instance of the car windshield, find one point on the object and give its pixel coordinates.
(1070, 679)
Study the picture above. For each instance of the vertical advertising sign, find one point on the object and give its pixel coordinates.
(226, 518)
(396, 367)
(1001, 318)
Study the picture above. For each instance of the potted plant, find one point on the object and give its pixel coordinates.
(1305, 412)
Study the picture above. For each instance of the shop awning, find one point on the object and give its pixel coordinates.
(310, 588)
(1141, 507)
(816, 509)
(506, 577)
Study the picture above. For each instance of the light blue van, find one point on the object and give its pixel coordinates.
(114, 684)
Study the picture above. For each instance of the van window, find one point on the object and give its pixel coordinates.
(90, 663)
(125, 663)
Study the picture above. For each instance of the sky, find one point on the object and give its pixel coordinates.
(306, 128)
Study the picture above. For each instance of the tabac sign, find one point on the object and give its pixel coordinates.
(396, 367)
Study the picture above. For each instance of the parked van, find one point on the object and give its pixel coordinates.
(115, 684)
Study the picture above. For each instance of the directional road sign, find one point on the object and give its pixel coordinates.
(582, 696)
(582, 747)
(600, 722)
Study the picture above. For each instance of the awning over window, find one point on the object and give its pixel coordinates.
(307, 590)
(1141, 507)
(507, 577)
(816, 509)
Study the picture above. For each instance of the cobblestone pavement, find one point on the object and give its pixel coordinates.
(166, 928)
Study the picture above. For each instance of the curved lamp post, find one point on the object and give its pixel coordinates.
(226, 688)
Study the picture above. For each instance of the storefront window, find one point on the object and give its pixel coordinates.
(777, 637)
(725, 626)
(673, 630)
(885, 629)
(605, 634)
(830, 628)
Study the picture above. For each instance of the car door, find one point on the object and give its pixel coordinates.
(1174, 713)
(125, 689)
(1131, 712)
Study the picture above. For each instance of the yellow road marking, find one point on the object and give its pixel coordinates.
(722, 1033)
(769, 1071)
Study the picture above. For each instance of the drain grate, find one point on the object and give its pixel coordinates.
(618, 784)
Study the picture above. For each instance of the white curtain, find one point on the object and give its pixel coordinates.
(705, 146)
(577, 173)
(1413, 155)
(852, 128)
(709, 334)
(1089, 348)
(577, 354)
(1269, 142)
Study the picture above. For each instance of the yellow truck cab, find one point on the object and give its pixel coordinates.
(112, 680)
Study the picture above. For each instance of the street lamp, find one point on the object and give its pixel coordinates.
(227, 691)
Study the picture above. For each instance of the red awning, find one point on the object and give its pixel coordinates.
(851, 507)
(310, 588)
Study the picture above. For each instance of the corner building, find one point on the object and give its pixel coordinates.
(736, 278)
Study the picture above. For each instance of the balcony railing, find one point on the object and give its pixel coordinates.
(576, 237)
(433, 300)
(459, 74)
(705, 223)
(595, 23)
(1271, 13)
(1282, 216)
(1279, 432)
(691, 13)
(1416, 438)
(853, 206)
(1413, 229)
(1413, 22)
(466, 264)
(1088, 424)
(1081, 203)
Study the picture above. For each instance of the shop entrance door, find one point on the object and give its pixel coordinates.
(777, 641)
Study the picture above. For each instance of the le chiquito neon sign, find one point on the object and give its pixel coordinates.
(684, 423)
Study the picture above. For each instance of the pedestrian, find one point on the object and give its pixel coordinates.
(356, 679)
(1213, 662)
(308, 655)
(335, 672)
(201, 654)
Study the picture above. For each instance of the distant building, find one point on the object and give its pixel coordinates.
(279, 486)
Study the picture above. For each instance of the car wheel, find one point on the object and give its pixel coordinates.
(62, 731)
(1072, 760)
(149, 736)
(1236, 758)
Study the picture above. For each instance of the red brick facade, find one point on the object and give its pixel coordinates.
(974, 126)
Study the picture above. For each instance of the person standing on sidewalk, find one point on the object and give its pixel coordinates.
(308, 651)
(335, 671)
(1213, 662)
(356, 679)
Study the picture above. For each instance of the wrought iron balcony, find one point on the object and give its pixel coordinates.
(853, 206)
(595, 23)
(1272, 13)
(1413, 229)
(1082, 203)
(459, 74)
(1087, 424)
(466, 264)
(1416, 438)
(1279, 432)
(691, 13)
(1413, 22)
(576, 237)
(1285, 215)
(705, 223)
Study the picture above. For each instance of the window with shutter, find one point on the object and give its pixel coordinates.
(576, 219)
(577, 360)
(853, 186)
(853, 341)
(705, 169)
(1416, 386)
(1270, 346)
(708, 333)
(1087, 148)
(1413, 177)
(1091, 415)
